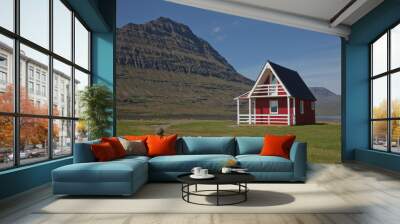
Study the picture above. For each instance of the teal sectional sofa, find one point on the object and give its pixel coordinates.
(125, 176)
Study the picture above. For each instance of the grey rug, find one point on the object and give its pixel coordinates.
(166, 198)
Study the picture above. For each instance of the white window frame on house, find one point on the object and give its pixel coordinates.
(271, 106)
(274, 81)
(301, 106)
(3, 77)
(34, 75)
(5, 63)
(3, 70)
(312, 105)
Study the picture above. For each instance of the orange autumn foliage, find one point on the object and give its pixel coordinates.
(34, 130)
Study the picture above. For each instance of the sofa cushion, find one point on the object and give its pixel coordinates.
(103, 152)
(208, 145)
(161, 145)
(185, 163)
(277, 145)
(132, 158)
(257, 163)
(112, 171)
(116, 145)
(135, 137)
(249, 145)
(135, 147)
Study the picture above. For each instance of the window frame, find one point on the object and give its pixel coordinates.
(16, 114)
(388, 74)
(277, 106)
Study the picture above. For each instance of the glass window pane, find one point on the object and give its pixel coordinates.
(34, 97)
(7, 14)
(62, 138)
(81, 131)
(379, 135)
(34, 21)
(395, 95)
(395, 136)
(81, 82)
(379, 97)
(395, 47)
(33, 139)
(379, 56)
(62, 29)
(62, 89)
(6, 142)
(6, 74)
(81, 45)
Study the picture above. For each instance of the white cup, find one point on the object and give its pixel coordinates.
(196, 171)
(226, 170)
(203, 172)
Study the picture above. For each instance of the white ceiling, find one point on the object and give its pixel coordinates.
(321, 9)
(316, 15)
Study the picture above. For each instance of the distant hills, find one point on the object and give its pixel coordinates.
(328, 102)
(165, 71)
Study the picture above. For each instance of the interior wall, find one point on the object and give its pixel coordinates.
(103, 54)
(355, 82)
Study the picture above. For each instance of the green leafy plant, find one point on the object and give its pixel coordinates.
(96, 102)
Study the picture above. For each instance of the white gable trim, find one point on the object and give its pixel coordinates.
(258, 79)
(268, 66)
(280, 81)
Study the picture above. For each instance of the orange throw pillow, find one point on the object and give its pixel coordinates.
(161, 145)
(116, 145)
(275, 145)
(136, 137)
(103, 152)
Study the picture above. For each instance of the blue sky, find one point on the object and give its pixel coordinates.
(247, 43)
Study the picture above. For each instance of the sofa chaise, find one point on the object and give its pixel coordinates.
(125, 176)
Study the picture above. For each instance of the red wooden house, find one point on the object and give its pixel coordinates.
(279, 97)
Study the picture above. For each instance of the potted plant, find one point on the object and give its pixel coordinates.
(96, 102)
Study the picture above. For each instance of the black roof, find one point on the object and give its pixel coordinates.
(293, 82)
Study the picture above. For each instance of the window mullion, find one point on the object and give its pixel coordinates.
(73, 82)
(371, 89)
(389, 100)
(16, 70)
(50, 81)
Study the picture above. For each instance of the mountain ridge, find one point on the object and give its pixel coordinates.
(166, 45)
(165, 71)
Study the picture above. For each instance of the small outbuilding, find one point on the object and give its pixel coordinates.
(278, 97)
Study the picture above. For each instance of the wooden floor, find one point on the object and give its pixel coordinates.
(379, 189)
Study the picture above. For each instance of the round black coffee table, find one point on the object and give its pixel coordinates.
(238, 179)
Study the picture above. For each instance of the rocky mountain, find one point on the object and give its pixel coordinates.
(165, 70)
(167, 46)
(328, 102)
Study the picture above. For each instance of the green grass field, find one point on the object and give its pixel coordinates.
(323, 139)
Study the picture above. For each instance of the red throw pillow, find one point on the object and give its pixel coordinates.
(136, 137)
(103, 151)
(275, 145)
(116, 145)
(161, 145)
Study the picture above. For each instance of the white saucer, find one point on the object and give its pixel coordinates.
(208, 176)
